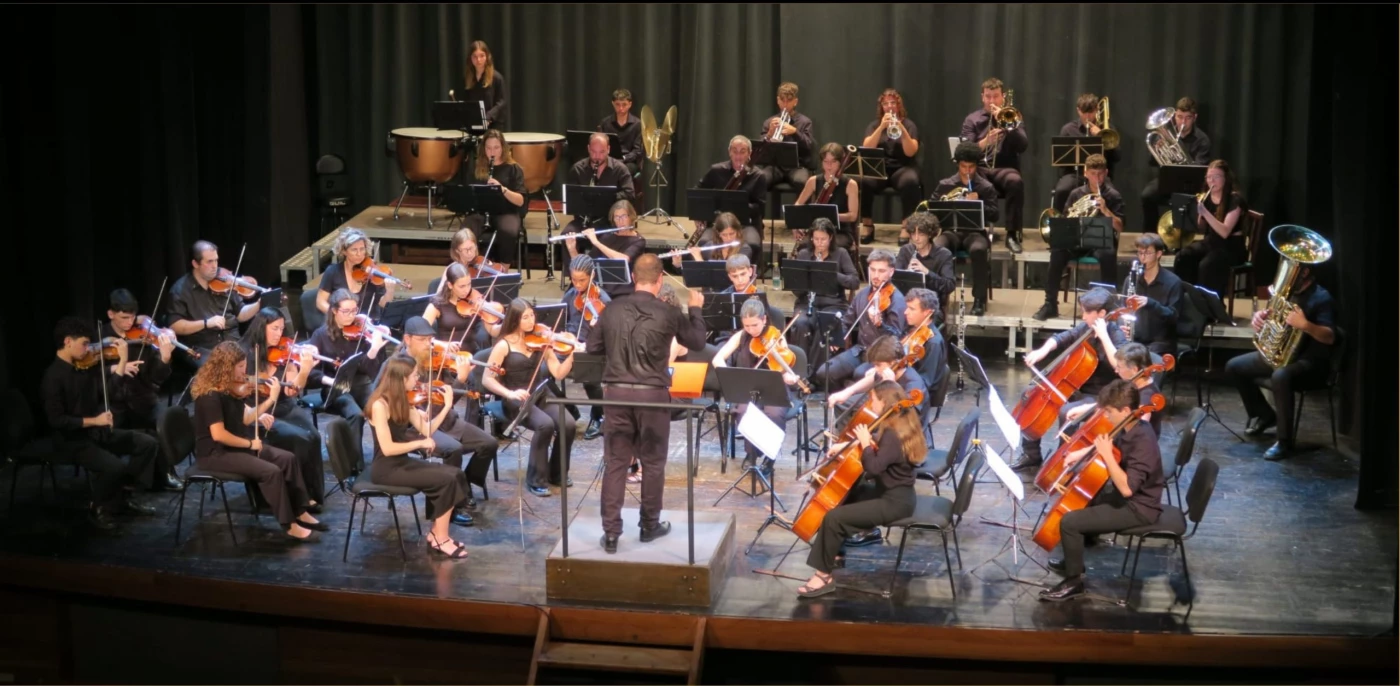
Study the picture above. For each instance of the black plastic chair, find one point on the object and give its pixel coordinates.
(340, 445)
(1171, 524)
(936, 513)
(1184, 449)
(176, 432)
(940, 463)
(1334, 372)
(22, 449)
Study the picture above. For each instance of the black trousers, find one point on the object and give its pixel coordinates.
(797, 177)
(776, 413)
(350, 407)
(506, 247)
(594, 391)
(838, 370)
(467, 437)
(1095, 519)
(843, 521)
(295, 432)
(109, 474)
(978, 249)
(1208, 263)
(628, 433)
(1285, 381)
(545, 462)
(1059, 262)
(1031, 446)
(1152, 202)
(144, 418)
(274, 469)
(1009, 185)
(444, 486)
(904, 180)
(1063, 187)
(803, 334)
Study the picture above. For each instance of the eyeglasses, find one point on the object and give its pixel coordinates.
(1145, 252)
(348, 310)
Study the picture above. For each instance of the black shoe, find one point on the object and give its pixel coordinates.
(1013, 244)
(318, 526)
(1027, 464)
(867, 240)
(1278, 451)
(655, 532)
(979, 307)
(1056, 565)
(101, 518)
(1045, 312)
(595, 429)
(609, 544)
(863, 539)
(1260, 425)
(540, 491)
(461, 517)
(1068, 589)
(767, 468)
(131, 506)
(169, 483)
(314, 509)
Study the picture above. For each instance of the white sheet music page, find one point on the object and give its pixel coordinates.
(761, 431)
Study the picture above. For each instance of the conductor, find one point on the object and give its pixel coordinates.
(635, 334)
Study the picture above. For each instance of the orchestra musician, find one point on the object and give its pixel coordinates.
(619, 245)
(921, 309)
(134, 400)
(1105, 339)
(1314, 313)
(873, 321)
(225, 440)
(581, 280)
(1128, 362)
(1193, 141)
(294, 429)
(635, 334)
(1132, 498)
(798, 129)
(521, 364)
(1220, 219)
(487, 85)
(496, 167)
(628, 129)
(85, 430)
(1161, 293)
(923, 254)
(472, 332)
(885, 495)
(352, 248)
(753, 317)
(399, 431)
(1110, 204)
(845, 195)
(330, 340)
(599, 169)
(725, 175)
(728, 228)
(901, 167)
(1005, 169)
(1085, 125)
(803, 333)
(201, 318)
(977, 243)
(885, 356)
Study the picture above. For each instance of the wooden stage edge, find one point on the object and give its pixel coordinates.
(734, 633)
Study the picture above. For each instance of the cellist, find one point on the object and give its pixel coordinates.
(1135, 498)
(1129, 362)
(754, 318)
(886, 494)
(1093, 312)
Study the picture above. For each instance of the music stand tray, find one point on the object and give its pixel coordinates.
(397, 312)
(588, 368)
(781, 154)
(576, 142)
(960, 215)
(611, 272)
(704, 204)
(1072, 151)
(905, 279)
(467, 116)
(801, 217)
(812, 276)
(867, 163)
(1214, 307)
(589, 202)
(477, 198)
(1091, 233)
(1181, 178)
(707, 275)
(504, 289)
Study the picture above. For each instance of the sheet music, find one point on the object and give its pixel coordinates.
(761, 431)
(1010, 430)
(1003, 472)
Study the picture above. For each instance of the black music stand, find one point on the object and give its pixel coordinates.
(721, 310)
(814, 277)
(576, 142)
(960, 215)
(707, 275)
(1181, 178)
(397, 312)
(1209, 304)
(1089, 233)
(505, 288)
(552, 316)
(801, 217)
(468, 117)
(611, 272)
(762, 387)
(1183, 207)
(867, 163)
(704, 204)
(589, 204)
(478, 198)
(905, 279)
(343, 381)
(273, 298)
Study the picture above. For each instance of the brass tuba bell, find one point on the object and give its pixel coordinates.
(1162, 141)
(1296, 246)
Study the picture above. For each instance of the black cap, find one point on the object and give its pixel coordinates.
(418, 326)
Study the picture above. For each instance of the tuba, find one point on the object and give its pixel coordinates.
(1297, 246)
(1161, 141)
(1109, 136)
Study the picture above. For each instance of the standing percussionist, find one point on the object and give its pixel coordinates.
(200, 317)
(1002, 149)
(797, 129)
(486, 85)
(1193, 141)
(598, 169)
(635, 335)
(628, 129)
(737, 175)
(1086, 125)
(978, 244)
(1107, 202)
(898, 135)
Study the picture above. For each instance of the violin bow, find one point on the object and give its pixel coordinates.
(870, 299)
(256, 416)
(159, 294)
(233, 283)
(106, 406)
(367, 320)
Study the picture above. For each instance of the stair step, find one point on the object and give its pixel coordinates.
(616, 658)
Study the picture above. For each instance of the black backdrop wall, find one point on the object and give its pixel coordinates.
(126, 133)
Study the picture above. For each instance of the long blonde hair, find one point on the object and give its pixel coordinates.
(393, 388)
(217, 373)
(905, 422)
(488, 74)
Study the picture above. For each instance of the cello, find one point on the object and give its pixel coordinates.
(1090, 427)
(1076, 490)
(1039, 406)
(835, 477)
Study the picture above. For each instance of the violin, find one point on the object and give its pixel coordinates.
(428, 394)
(489, 312)
(245, 286)
(915, 344)
(144, 331)
(377, 275)
(750, 289)
(542, 337)
(881, 298)
(442, 359)
(480, 267)
(771, 347)
(97, 353)
(363, 326)
(590, 303)
(264, 385)
(284, 351)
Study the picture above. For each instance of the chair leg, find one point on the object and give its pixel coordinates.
(1126, 552)
(957, 549)
(227, 514)
(14, 480)
(1298, 414)
(179, 512)
(414, 504)
(894, 573)
(1331, 417)
(949, 563)
(1132, 577)
(1186, 571)
(402, 551)
(350, 528)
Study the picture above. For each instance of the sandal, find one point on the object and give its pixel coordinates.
(435, 546)
(828, 586)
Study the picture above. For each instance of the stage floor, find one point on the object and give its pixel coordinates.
(1281, 550)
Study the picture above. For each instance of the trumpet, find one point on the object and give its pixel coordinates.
(684, 251)
(577, 235)
(1109, 136)
(892, 131)
(783, 120)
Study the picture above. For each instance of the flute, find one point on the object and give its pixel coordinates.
(579, 234)
(684, 251)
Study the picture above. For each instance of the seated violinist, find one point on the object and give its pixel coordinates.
(580, 321)
(464, 251)
(515, 353)
(342, 337)
(134, 400)
(618, 245)
(289, 366)
(1132, 498)
(497, 168)
(754, 317)
(352, 249)
(204, 309)
(469, 318)
(921, 313)
(885, 495)
(877, 310)
(1095, 331)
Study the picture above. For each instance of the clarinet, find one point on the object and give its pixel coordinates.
(1130, 320)
(961, 326)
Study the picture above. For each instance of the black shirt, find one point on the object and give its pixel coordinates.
(1235, 241)
(629, 137)
(1111, 197)
(511, 176)
(719, 176)
(939, 262)
(1076, 128)
(892, 320)
(218, 408)
(635, 334)
(497, 107)
(335, 278)
(192, 302)
(573, 321)
(1144, 399)
(1156, 320)
(631, 246)
(70, 395)
(1196, 144)
(974, 129)
(1142, 462)
(138, 393)
(1317, 305)
(341, 348)
(614, 174)
(984, 189)
(1103, 374)
(806, 140)
(894, 149)
(887, 462)
(846, 276)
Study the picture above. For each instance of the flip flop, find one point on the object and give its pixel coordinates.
(824, 589)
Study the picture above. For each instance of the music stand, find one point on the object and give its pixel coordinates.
(960, 215)
(273, 298)
(780, 154)
(397, 312)
(1090, 233)
(704, 204)
(801, 217)
(1073, 151)
(707, 275)
(551, 316)
(611, 272)
(1209, 304)
(589, 204)
(764, 388)
(721, 310)
(867, 163)
(905, 279)
(1181, 178)
(477, 198)
(1183, 208)
(344, 379)
(468, 117)
(504, 289)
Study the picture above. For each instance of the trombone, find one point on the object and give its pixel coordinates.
(1007, 119)
(1109, 136)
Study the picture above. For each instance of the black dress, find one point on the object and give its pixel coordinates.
(443, 486)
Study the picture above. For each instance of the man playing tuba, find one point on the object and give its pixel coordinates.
(1193, 141)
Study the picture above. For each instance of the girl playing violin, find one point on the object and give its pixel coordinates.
(496, 167)
(400, 430)
(754, 317)
(519, 355)
(619, 245)
(331, 342)
(885, 495)
(225, 442)
(294, 429)
(352, 248)
(580, 321)
(464, 251)
(471, 319)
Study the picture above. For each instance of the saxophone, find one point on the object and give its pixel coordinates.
(961, 325)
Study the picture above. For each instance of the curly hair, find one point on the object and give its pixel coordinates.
(218, 373)
(346, 240)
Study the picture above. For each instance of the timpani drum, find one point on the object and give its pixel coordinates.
(428, 155)
(538, 154)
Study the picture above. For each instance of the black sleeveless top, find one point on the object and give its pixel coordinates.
(838, 195)
(511, 176)
(398, 433)
(454, 327)
(519, 367)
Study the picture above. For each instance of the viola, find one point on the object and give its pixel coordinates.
(144, 331)
(477, 306)
(1039, 406)
(363, 326)
(375, 274)
(1076, 490)
(105, 351)
(771, 348)
(542, 337)
(245, 286)
(480, 267)
(284, 351)
(590, 303)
